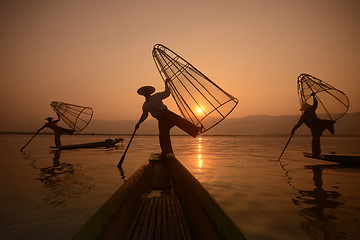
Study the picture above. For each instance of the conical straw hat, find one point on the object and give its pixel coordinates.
(146, 90)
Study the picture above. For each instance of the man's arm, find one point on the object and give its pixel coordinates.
(45, 125)
(144, 116)
(165, 93)
(57, 120)
(297, 125)
(315, 101)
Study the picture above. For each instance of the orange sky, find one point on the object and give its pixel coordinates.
(97, 53)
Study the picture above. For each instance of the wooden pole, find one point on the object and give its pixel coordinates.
(30, 140)
(123, 156)
(285, 147)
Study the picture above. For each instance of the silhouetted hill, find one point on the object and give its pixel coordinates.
(281, 125)
(250, 125)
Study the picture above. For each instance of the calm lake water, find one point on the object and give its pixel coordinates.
(50, 195)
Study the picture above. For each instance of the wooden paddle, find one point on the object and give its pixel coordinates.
(285, 147)
(30, 139)
(123, 156)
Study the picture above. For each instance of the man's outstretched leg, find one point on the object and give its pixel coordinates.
(183, 124)
(164, 137)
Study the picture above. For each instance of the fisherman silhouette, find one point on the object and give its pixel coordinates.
(316, 125)
(52, 124)
(167, 119)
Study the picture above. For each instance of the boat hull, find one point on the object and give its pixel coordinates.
(106, 143)
(343, 159)
(162, 200)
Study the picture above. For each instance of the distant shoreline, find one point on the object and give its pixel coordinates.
(254, 125)
(155, 135)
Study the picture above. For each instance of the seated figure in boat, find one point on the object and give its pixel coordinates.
(52, 124)
(316, 125)
(167, 119)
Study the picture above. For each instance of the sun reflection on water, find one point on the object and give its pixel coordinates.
(200, 161)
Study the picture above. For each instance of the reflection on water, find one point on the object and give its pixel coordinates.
(122, 173)
(286, 172)
(199, 156)
(115, 148)
(317, 206)
(63, 181)
(314, 206)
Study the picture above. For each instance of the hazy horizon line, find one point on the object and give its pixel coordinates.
(250, 115)
(178, 135)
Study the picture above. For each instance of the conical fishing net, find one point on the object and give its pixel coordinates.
(76, 117)
(332, 103)
(199, 99)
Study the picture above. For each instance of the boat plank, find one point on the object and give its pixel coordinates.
(140, 221)
(146, 223)
(159, 218)
(175, 216)
(185, 225)
(135, 219)
(164, 222)
(152, 219)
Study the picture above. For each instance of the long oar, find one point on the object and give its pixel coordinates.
(123, 156)
(30, 140)
(285, 146)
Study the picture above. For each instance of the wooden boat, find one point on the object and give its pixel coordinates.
(162, 200)
(106, 143)
(343, 159)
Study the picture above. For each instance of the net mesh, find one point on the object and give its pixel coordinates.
(200, 100)
(76, 117)
(332, 103)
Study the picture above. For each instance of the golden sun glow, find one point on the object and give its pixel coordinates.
(199, 110)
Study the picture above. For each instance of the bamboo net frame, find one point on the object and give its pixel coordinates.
(75, 116)
(333, 103)
(199, 99)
